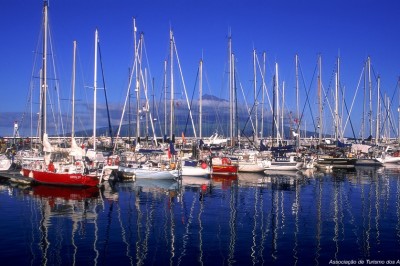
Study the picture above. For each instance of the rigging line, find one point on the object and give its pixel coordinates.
(307, 97)
(264, 84)
(159, 103)
(184, 87)
(126, 99)
(384, 103)
(387, 111)
(191, 101)
(326, 93)
(152, 87)
(105, 94)
(242, 133)
(354, 98)
(56, 88)
(347, 110)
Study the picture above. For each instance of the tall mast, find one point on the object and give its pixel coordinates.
(165, 99)
(364, 100)
(274, 105)
(255, 93)
(378, 110)
(370, 96)
(319, 101)
(297, 100)
(44, 73)
(137, 82)
(277, 102)
(96, 40)
(263, 95)
(231, 117)
(398, 109)
(282, 110)
(171, 125)
(337, 101)
(73, 91)
(201, 99)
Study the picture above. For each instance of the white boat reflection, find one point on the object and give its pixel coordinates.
(151, 185)
(195, 181)
(253, 179)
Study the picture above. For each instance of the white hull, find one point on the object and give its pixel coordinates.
(195, 171)
(389, 159)
(284, 166)
(150, 173)
(251, 167)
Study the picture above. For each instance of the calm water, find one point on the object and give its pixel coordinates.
(310, 219)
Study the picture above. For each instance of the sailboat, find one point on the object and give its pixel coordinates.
(61, 166)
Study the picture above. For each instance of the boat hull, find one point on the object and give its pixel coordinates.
(225, 169)
(62, 179)
(332, 163)
(145, 173)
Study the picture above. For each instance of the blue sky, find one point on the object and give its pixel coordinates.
(351, 29)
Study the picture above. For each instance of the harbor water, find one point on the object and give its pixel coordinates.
(303, 218)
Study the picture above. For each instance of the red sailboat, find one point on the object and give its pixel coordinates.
(223, 166)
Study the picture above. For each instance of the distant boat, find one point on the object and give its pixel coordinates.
(283, 164)
(223, 166)
(194, 168)
(329, 162)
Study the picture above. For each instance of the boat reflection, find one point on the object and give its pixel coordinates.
(223, 181)
(240, 219)
(66, 193)
(154, 185)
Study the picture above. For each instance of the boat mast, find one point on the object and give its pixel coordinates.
(165, 99)
(337, 101)
(370, 96)
(398, 109)
(378, 110)
(277, 103)
(263, 97)
(282, 110)
(137, 82)
(44, 73)
(73, 90)
(201, 99)
(96, 40)
(255, 93)
(171, 38)
(231, 116)
(364, 101)
(297, 101)
(319, 101)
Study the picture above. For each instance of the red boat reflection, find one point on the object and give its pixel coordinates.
(225, 180)
(68, 193)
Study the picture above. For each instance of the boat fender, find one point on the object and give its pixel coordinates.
(109, 161)
(203, 165)
(116, 161)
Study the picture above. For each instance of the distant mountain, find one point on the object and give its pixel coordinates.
(213, 98)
